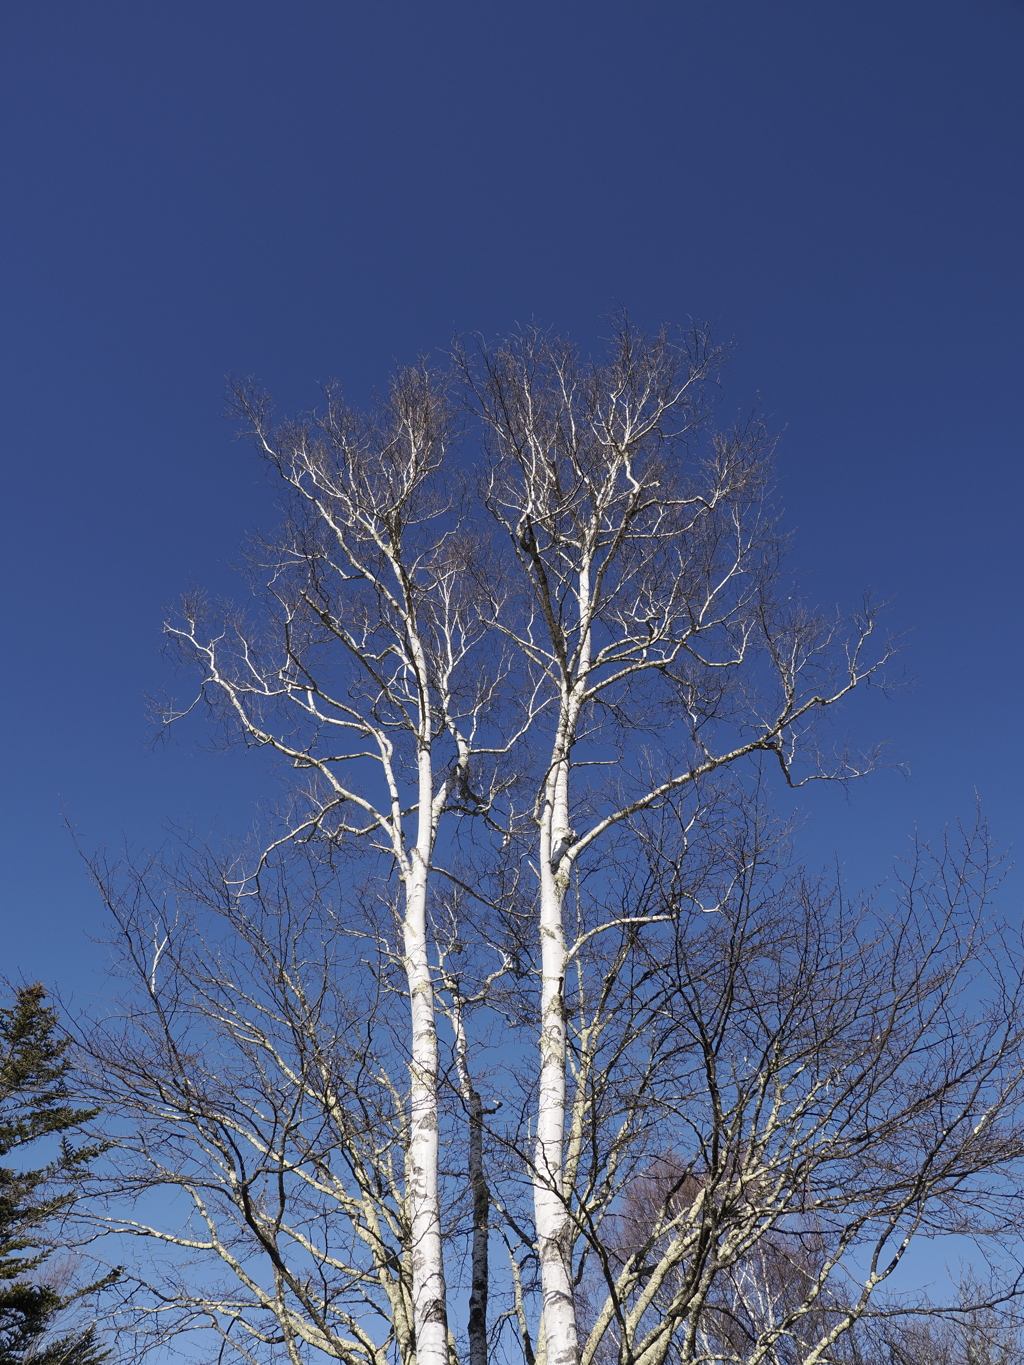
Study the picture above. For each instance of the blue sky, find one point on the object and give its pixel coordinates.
(317, 190)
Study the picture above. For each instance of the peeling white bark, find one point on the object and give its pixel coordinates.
(430, 1299)
(551, 1209)
(429, 1295)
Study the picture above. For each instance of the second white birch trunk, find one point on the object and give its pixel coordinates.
(560, 1342)
(429, 1293)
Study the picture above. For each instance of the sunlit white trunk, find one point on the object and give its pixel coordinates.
(428, 1286)
(554, 1240)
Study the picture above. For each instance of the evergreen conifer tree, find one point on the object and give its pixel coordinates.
(34, 1105)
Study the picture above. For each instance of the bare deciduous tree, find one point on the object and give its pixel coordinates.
(831, 1083)
(536, 727)
(651, 609)
(259, 1077)
(370, 567)
(984, 1333)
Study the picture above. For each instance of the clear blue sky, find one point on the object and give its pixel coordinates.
(317, 189)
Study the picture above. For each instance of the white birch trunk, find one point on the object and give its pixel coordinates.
(549, 1208)
(554, 1239)
(551, 1213)
(428, 1284)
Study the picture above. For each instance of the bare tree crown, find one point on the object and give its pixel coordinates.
(517, 1006)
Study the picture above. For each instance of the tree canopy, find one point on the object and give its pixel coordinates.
(517, 1010)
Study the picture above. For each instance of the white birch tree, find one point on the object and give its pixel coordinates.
(652, 580)
(519, 934)
(369, 567)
